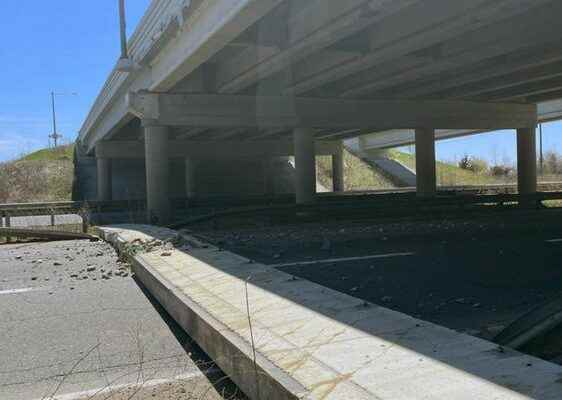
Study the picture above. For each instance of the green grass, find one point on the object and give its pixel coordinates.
(357, 174)
(448, 174)
(54, 154)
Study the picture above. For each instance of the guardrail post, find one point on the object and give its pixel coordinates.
(52, 218)
(8, 223)
(85, 223)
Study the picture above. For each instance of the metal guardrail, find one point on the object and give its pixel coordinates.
(83, 209)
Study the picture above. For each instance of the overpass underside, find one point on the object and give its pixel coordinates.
(261, 80)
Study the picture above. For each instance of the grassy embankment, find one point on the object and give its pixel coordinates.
(44, 175)
(360, 176)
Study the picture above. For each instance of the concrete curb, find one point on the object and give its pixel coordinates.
(224, 347)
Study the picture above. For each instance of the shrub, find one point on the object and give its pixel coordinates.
(501, 170)
(474, 164)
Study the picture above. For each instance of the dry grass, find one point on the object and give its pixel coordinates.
(45, 175)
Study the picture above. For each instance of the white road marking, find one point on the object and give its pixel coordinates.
(16, 291)
(336, 260)
(554, 240)
(109, 389)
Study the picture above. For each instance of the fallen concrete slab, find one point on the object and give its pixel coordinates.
(315, 343)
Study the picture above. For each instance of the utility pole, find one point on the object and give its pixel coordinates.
(541, 158)
(55, 136)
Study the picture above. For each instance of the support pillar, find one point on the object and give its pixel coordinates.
(526, 161)
(337, 170)
(426, 177)
(189, 177)
(157, 174)
(268, 176)
(305, 165)
(104, 177)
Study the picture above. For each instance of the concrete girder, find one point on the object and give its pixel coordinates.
(547, 111)
(228, 111)
(524, 68)
(318, 25)
(209, 149)
(396, 39)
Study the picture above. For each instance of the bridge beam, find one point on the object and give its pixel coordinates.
(209, 149)
(263, 112)
(157, 173)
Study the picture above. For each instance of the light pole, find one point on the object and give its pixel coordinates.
(125, 63)
(55, 135)
(541, 158)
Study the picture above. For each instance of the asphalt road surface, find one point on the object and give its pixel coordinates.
(75, 324)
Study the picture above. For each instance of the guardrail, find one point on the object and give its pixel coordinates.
(397, 199)
(83, 209)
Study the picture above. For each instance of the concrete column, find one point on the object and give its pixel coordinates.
(526, 161)
(268, 176)
(305, 165)
(189, 177)
(337, 170)
(104, 177)
(426, 177)
(157, 174)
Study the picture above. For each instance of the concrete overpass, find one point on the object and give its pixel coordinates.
(217, 81)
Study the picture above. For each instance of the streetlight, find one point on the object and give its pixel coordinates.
(541, 158)
(125, 63)
(55, 135)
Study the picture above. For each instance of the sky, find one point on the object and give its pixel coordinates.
(70, 46)
(66, 46)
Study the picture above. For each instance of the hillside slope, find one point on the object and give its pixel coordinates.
(447, 174)
(45, 175)
(358, 175)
